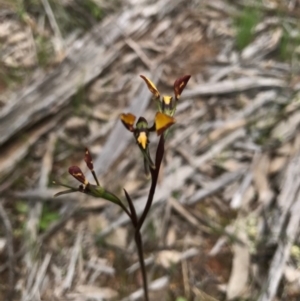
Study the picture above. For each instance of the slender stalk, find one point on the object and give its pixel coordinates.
(137, 223)
(138, 242)
(139, 245)
(138, 238)
(154, 175)
(126, 210)
(133, 215)
(95, 177)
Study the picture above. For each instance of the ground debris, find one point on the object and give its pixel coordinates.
(225, 217)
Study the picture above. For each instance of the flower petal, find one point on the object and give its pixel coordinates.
(180, 84)
(128, 121)
(89, 162)
(167, 99)
(162, 122)
(76, 172)
(88, 159)
(151, 86)
(142, 139)
(168, 105)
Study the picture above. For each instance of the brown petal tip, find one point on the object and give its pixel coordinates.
(180, 84)
(88, 159)
(76, 172)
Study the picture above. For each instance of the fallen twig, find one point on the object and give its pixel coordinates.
(10, 251)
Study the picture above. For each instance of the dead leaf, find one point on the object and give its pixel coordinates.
(167, 258)
(118, 238)
(171, 236)
(2, 244)
(261, 178)
(277, 164)
(95, 292)
(75, 124)
(240, 267)
(95, 222)
(202, 296)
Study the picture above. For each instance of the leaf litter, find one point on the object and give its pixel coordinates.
(225, 218)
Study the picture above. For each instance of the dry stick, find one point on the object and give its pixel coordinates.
(45, 171)
(140, 53)
(237, 198)
(10, 252)
(39, 278)
(216, 185)
(184, 213)
(8, 182)
(35, 212)
(54, 227)
(232, 86)
(87, 59)
(219, 146)
(16, 151)
(155, 285)
(165, 222)
(97, 269)
(285, 229)
(185, 276)
(30, 279)
(135, 266)
(282, 253)
(71, 270)
(54, 25)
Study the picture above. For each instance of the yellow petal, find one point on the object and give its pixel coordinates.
(151, 86)
(142, 139)
(167, 99)
(162, 122)
(128, 121)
